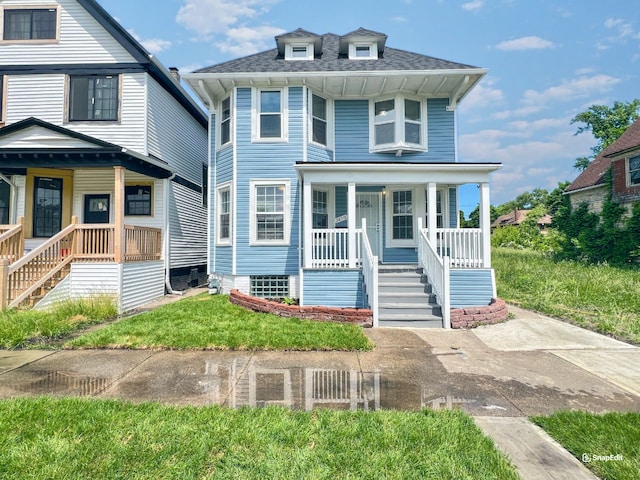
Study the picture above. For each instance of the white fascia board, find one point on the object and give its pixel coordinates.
(386, 174)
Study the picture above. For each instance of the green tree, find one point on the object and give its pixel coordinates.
(606, 124)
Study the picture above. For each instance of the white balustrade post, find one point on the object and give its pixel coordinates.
(432, 214)
(485, 224)
(351, 223)
(307, 203)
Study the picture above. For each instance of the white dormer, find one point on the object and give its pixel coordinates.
(299, 51)
(363, 50)
(299, 45)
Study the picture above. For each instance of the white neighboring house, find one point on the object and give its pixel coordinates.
(102, 160)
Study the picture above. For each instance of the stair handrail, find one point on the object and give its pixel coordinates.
(370, 273)
(15, 268)
(12, 242)
(436, 268)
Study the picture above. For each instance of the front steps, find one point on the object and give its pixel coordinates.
(405, 300)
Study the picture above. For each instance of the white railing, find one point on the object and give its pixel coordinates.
(463, 246)
(370, 273)
(436, 268)
(330, 248)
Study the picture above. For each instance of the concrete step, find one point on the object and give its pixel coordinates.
(413, 311)
(405, 297)
(406, 317)
(436, 322)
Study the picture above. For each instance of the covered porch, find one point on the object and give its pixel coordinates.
(360, 218)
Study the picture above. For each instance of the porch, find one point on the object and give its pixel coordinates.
(387, 219)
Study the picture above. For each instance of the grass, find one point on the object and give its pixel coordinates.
(587, 435)
(212, 322)
(79, 438)
(20, 328)
(598, 297)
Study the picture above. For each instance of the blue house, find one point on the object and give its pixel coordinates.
(334, 178)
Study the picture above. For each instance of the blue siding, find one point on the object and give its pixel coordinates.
(352, 134)
(319, 154)
(224, 260)
(470, 288)
(341, 205)
(334, 288)
(453, 208)
(264, 161)
(224, 164)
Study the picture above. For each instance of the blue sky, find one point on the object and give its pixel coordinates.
(547, 61)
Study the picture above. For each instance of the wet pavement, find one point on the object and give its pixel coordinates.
(489, 371)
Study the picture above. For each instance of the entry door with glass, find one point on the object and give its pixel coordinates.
(368, 207)
(96, 208)
(47, 206)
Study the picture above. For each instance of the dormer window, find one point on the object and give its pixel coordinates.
(363, 51)
(299, 52)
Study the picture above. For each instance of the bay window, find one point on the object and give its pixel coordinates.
(398, 124)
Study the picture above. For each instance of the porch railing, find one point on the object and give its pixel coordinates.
(330, 248)
(463, 246)
(436, 267)
(77, 242)
(370, 273)
(12, 241)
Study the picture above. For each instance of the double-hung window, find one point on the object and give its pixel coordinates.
(270, 114)
(270, 223)
(439, 209)
(93, 97)
(30, 24)
(320, 209)
(319, 119)
(402, 215)
(634, 170)
(224, 214)
(225, 121)
(398, 124)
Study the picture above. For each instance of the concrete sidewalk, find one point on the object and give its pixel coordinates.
(500, 374)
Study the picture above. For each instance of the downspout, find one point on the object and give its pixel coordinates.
(14, 199)
(167, 236)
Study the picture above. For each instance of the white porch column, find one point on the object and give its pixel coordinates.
(432, 214)
(307, 202)
(351, 223)
(485, 224)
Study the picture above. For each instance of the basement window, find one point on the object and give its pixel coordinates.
(270, 286)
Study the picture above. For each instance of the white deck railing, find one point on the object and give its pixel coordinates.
(330, 248)
(370, 273)
(463, 246)
(436, 267)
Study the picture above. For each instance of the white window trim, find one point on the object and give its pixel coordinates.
(391, 242)
(284, 116)
(373, 50)
(43, 41)
(253, 241)
(399, 144)
(330, 117)
(331, 205)
(221, 188)
(628, 171)
(444, 198)
(288, 51)
(230, 120)
(3, 99)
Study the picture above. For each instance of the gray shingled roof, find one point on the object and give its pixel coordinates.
(331, 61)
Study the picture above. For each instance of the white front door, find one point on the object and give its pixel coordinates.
(368, 207)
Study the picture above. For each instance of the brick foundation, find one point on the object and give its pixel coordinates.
(358, 316)
(496, 312)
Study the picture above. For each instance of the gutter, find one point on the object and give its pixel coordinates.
(167, 241)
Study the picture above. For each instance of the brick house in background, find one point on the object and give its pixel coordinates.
(622, 157)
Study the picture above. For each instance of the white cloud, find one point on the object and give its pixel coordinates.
(623, 32)
(482, 96)
(473, 5)
(208, 17)
(399, 19)
(525, 43)
(153, 45)
(576, 88)
(245, 41)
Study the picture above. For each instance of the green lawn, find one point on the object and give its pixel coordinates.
(76, 438)
(212, 322)
(602, 298)
(21, 328)
(608, 444)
